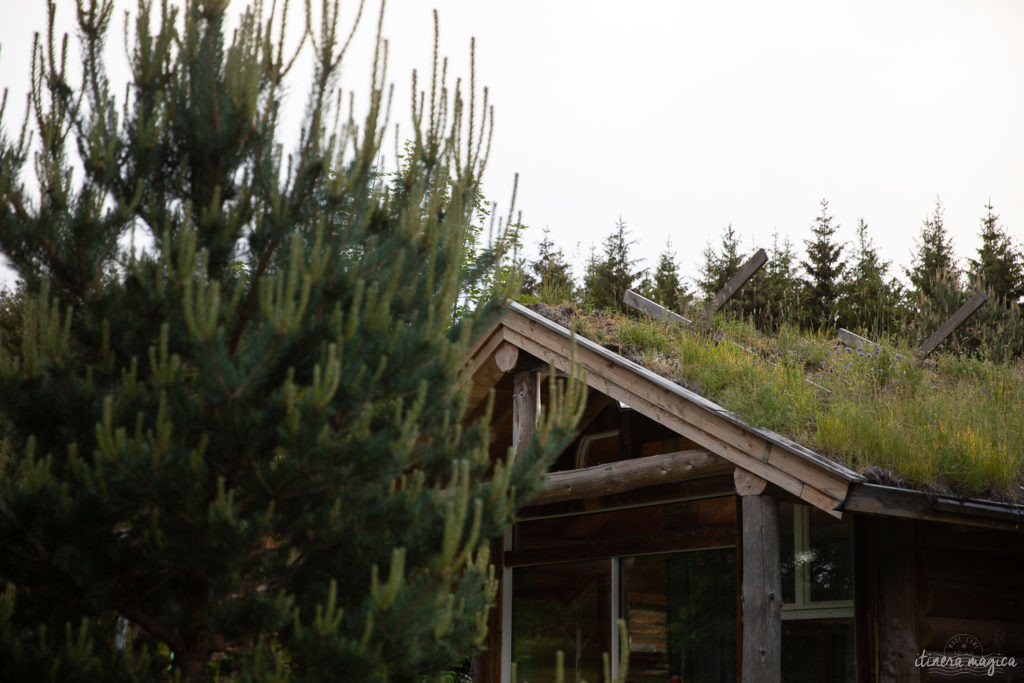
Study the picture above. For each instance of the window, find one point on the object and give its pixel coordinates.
(816, 552)
(667, 570)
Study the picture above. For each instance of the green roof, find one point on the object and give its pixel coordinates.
(948, 424)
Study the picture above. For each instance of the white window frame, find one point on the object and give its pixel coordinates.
(802, 606)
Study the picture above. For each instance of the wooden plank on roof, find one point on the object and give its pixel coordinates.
(746, 271)
(947, 328)
(656, 311)
(854, 341)
(808, 473)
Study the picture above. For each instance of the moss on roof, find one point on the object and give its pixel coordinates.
(948, 424)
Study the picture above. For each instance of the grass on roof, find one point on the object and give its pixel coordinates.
(948, 424)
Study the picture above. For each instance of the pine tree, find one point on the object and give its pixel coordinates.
(933, 260)
(551, 278)
(606, 280)
(1000, 264)
(824, 269)
(238, 451)
(666, 286)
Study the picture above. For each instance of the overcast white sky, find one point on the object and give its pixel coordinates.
(683, 117)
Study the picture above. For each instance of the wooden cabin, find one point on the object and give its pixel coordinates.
(729, 552)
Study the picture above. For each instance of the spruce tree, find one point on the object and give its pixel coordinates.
(870, 302)
(933, 260)
(235, 408)
(665, 285)
(1000, 264)
(551, 278)
(775, 291)
(720, 266)
(823, 271)
(606, 279)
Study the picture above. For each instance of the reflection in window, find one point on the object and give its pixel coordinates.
(816, 555)
(680, 610)
(816, 561)
(830, 568)
(561, 607)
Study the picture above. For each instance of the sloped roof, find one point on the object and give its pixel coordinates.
(809, 475)
(789, 465)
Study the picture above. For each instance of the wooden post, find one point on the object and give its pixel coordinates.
(741, 277)
(525, 408)
(762, 582)
(897, 645)
(947, 328)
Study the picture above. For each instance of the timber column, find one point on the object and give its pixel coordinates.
(489, 667)
(762, 581)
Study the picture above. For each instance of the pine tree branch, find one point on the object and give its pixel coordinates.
(37, 545)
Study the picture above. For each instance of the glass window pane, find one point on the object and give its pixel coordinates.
(818, 651)
(563, 607)
(830, 566)
(844, 658)
(800, 657)
(714, 517)
(680, 610)
(787, 552)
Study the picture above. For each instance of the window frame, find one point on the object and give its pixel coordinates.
(802, 606)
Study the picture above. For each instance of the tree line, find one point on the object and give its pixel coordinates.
(834, 284)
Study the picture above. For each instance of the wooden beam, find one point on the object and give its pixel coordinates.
(746, 271)
(510, 358)
(505, 356)
(628, 475)
(656, 311)
(761, 591)
(748, 484)
(525, 408)
(897, 644)
(948, 327)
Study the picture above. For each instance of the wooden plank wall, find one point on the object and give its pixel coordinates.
(972, 582)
